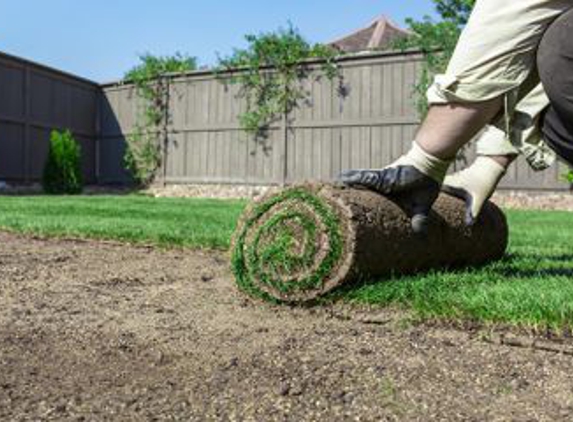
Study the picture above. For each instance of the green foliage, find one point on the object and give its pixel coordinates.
(271, 72)
(145, 145)
(455, 11)
(265, 254)
(437, 40)
(63, 169)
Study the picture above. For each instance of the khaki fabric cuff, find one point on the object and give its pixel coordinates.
(449, 89)
(493, 141)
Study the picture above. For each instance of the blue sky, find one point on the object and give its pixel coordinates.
(102, 39)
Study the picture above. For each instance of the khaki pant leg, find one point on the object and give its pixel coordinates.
(497, 50)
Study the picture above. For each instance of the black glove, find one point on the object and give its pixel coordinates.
(413, 182)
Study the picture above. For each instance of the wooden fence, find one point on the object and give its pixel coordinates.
(34, 100)
(368, 126)
(371, 125)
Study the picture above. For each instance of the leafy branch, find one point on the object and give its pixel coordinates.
(271, 70)
(568, 177)
(145, 146)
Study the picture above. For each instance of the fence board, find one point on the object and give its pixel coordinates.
(12, 151)
(34, 100)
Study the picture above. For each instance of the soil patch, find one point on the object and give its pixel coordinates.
(97, 331)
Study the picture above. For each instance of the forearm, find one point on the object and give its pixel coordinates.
(448, 127)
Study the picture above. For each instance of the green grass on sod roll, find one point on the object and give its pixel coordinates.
(532, 286)
(270, 256)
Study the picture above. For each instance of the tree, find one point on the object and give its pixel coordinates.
(455, 11)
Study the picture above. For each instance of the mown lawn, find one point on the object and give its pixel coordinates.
(533, 285)
(195, 223)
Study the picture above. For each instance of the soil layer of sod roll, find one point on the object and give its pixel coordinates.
(303, 242)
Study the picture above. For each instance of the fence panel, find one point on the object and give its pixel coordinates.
(370, 125)
(34, 100)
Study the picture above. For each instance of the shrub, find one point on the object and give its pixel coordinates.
(63, 172)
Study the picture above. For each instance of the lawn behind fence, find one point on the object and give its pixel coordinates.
(532, 285)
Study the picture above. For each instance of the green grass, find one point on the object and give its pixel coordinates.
(251, 267)
(532, 286)
(196, 223)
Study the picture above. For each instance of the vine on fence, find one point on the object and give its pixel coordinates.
(145, 145)
(568, 176)
(437, 41)
(270, 71)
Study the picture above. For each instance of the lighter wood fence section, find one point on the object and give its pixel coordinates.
(34, 100)
(369, 127)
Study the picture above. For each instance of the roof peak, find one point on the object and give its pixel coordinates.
(374, 36)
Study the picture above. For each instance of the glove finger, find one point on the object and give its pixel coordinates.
(420, 212)
(470, 209)
(420, 223)
(381, 181)
(389, 180)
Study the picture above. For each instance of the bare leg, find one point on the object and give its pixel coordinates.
(449, 127)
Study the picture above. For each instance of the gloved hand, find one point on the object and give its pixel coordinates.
(413, 181)
(475, 185)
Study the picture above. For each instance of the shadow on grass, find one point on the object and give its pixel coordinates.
(507, 269)
(526, 274)
(512, 265)
(90, 190)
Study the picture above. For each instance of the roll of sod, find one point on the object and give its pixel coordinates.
(305, 241)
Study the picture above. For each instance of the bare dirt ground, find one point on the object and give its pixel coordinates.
(96, 331)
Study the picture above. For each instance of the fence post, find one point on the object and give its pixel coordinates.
(27, 133)
(164, 81)
(284, 149)
(98, 134)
